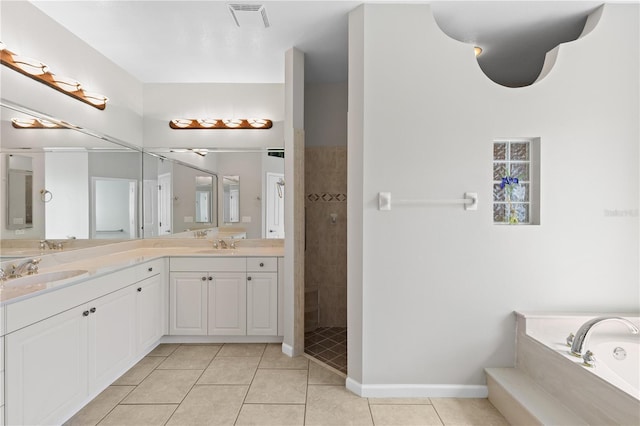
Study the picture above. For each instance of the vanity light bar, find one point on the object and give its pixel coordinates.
(34, 123)
(219, 123)
(40, 72)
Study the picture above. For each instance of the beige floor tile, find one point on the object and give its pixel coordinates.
(100, 406)
(334, 405)
(271, 415)
(139, 372)
(210, 405)
(188, 357)
(164, 387)
(230, 371)
(278, 387)
(280, 360)
(242, 349)
(405, 415)
(139, 415)
(319, 375)
(400, 401)
(273, 349)
(163, 349)
(467, 411)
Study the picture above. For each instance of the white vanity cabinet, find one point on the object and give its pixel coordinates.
(262, 296)
(224, 296)
(65, 346)
(1, 373)
(207, 296)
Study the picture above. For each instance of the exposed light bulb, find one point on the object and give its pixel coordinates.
(477, 50)
(232, 122)
(207, 122)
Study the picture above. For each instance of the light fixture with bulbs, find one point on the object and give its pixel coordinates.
(34, 123)
(219, 123)
(40, 72)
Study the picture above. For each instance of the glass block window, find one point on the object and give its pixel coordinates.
(512, 182)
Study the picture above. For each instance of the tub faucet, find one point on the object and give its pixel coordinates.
(583, 333)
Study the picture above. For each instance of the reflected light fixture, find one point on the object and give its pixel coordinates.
(218, 123)
(34, 123)
(477, 50)
(40, 72)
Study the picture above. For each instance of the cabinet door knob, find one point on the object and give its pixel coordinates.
(204, 278)
(85, 314)
(92, 310)
(248, 278)
(150, 269)
(210, 278)
(139, 289)
(261, 264)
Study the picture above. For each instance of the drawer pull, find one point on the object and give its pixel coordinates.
(204, 278)
(92, 310)
(210, 278)
(248, 278)
(150, 269)
(85, 314)
(261, 264)
(139, 289)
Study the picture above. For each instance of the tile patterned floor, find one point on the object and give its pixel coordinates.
(255, 384)
(329, 345)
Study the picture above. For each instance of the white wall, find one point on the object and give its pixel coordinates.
(164, 102)
(26, 30)
(325, 114)
(439, 284)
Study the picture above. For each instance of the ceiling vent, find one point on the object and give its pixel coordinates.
(249, 15)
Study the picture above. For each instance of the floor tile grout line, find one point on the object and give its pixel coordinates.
(194, 383)
(250, 383)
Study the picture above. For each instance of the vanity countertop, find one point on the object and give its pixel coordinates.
(97, 261)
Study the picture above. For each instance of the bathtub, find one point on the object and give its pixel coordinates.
(609, 392)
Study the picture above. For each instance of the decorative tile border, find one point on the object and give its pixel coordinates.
(326, 197)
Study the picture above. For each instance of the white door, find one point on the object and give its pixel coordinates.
(164, 204)
(112, 339)
(188, 303)
(150, 308)
(46, 369)
(150, 208)
(227, 303)
(113, 208)
(274, 222)
(262, 304)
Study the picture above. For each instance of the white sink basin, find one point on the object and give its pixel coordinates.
(40, 279)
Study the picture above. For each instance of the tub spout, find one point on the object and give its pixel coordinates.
(583, 333)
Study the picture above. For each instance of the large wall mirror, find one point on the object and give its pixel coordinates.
(89, 189)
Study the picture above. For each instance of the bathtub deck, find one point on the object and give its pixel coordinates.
(523, 402)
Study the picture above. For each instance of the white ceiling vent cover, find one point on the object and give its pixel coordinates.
(249, 15)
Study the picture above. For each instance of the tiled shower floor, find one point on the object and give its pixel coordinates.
(329, 345)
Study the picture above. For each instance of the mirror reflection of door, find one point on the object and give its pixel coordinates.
(231, 207)
(204, 191)
(164, 204)
(114, 208)
(275, 206)
(19, 192)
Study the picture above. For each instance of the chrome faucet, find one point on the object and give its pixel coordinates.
(51, 244)
(3, 275)
(223, 244)
(583, 333)
(30, 266)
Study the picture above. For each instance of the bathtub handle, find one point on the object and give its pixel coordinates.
(589, 359)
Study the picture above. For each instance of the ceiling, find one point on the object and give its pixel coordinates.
(199, 41)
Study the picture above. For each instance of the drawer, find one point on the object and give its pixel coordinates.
(208, 264)
(149, 269)
(262, 264)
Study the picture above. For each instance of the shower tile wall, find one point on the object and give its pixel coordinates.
(326, 243)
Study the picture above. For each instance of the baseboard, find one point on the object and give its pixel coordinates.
(287, 349)
(221, 339)
(416, 391)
